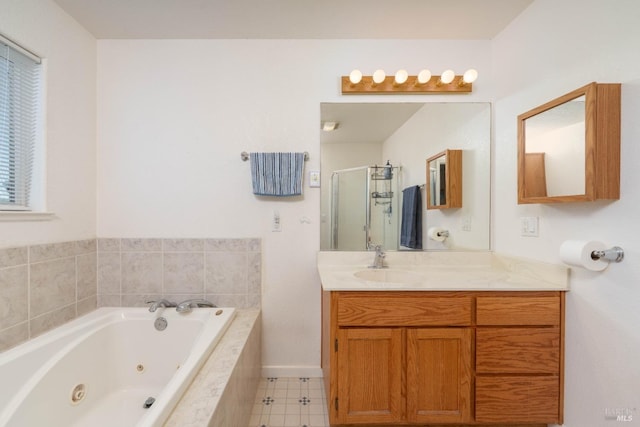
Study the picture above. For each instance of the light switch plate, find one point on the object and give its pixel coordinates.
(529, 226)
(314, 178)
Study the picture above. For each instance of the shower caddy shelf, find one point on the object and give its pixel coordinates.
(381, 173)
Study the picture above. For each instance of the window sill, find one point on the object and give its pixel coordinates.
(26, 216)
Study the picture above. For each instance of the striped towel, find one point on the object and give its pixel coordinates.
(277, 174)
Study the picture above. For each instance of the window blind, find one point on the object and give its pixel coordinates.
(19, 94)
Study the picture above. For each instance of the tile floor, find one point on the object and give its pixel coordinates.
(298, 402)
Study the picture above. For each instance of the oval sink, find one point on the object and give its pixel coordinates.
(386, 275)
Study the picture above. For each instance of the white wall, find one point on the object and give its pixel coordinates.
(173, 117)
(550, 49)
(70, 114)
(431, 130)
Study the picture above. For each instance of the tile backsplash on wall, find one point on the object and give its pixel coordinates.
(43, 286)
(226, 272)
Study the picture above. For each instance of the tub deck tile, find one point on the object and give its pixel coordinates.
(217, 391)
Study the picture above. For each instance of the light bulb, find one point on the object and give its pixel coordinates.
(423, 77)
(355, 77)
(329, 126)
(447, 77)
(401, 77)
(379, 76)
(470, 76)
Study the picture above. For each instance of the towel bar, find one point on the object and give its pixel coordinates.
(245, 156)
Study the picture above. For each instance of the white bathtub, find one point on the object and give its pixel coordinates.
(99, 369)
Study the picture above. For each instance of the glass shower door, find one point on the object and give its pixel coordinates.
(364, 209)
(349, 210)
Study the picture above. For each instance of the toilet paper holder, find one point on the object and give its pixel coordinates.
(615, 254)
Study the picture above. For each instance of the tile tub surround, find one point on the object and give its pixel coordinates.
(43, 286)
(227, 272)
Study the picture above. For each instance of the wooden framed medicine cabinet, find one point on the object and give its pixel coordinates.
(569, 148)
(444, 180)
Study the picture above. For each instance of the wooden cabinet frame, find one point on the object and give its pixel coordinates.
(602, 119)
(452, 178)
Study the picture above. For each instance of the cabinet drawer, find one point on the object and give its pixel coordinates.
(517, 399)
(403, 309)
(518, 310)
(518, 350)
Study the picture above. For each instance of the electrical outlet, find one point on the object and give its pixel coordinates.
(529, 226)
(466, 223)
(275, 223)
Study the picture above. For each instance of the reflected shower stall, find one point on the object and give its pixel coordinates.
(364, 208)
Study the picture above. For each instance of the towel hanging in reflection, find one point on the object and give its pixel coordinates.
(411, 226)
(277, 174)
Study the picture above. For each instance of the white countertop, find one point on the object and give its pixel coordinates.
(438, 271)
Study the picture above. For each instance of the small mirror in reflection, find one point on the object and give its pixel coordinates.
(437, 180)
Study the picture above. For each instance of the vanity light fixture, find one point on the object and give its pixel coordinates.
(423, 83)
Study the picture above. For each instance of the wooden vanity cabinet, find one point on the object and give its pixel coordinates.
(433, 358)
(401, 357)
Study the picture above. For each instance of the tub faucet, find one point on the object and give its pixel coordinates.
(160, 303)
(378, 260)
(188, 305)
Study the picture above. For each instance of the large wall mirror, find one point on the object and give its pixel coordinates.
(569, 148)
(377, 150)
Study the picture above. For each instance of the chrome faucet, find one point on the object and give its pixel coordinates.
(188, 305)
(378, 260)
(160, 303)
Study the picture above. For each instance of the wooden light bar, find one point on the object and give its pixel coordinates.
(389, 86)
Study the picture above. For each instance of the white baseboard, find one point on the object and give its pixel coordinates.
(291, 371)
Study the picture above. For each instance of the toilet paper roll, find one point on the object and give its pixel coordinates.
(436, 233)
(578, 253)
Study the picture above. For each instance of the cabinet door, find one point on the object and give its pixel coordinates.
(439, 375)
(369, 375)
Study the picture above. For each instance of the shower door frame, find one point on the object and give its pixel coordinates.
(368, 201)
